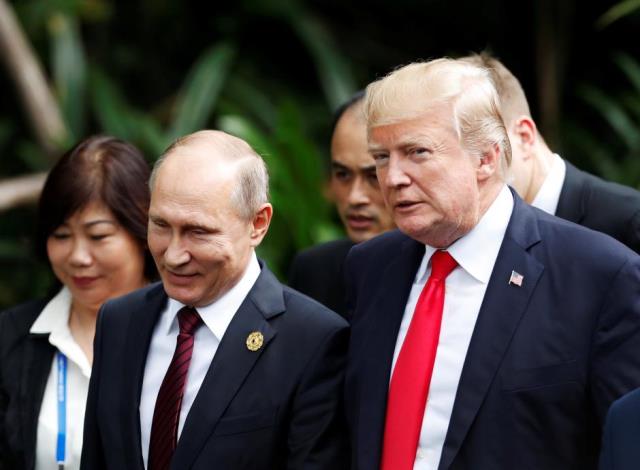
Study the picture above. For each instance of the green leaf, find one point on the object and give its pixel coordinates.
(32, 155)
(303, 161)
(599, 156)
(302, 156)
(327, 231)
(11, 249)
(631, 102)
(630, 67)
(613, 113)
(7, 127)
(280, 173)
(151, 136)
(245, 129)
(198, 95)
(619, 10)
(334, 72)
(69, 71)
(109, 105)
(251, 98)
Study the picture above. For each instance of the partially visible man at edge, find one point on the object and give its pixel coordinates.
(353, 186)
(547, 181)
(219, 365)
(486, 334)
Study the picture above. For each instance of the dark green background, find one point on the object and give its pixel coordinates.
(273, 71)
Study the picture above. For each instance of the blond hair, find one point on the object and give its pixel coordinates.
(513, 101)
(412, 90)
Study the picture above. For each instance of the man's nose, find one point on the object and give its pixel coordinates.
(394, 174)
(359, 193)
(176, 253)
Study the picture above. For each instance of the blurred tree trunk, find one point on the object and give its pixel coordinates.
(21, 190)
(553, 26)
(41, 107)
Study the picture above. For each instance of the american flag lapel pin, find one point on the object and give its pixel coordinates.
(516, 278)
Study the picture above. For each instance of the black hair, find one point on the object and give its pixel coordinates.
(99, 168)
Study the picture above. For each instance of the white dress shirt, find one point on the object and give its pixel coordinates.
(549, 193)
(465, 287)
(216, 317)
(54, 320)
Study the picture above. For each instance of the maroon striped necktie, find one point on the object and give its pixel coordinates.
(166, 415)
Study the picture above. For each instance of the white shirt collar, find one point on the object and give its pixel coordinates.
(477, 251)
(54, 321)
(549, 193)
(218, 315)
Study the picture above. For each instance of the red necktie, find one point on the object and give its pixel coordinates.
(166, 414)
(412, 373)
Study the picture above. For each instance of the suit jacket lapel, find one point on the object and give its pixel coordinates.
(231, 364)
(376, 350)
(572, 196)
(139, 332)
(500, 313)
(36, 366)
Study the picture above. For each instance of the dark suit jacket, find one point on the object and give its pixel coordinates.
(318, 272)
(25, 363)
(621, 440)
(607, 207)
(278, 407)
(545, 359)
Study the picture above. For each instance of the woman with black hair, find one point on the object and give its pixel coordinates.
(92, 224)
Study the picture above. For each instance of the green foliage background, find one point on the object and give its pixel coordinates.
(272, 72)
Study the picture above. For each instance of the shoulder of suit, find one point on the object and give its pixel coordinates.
(580, 242)
(386, 244)
(308, 312)
(22, 316)
(320, 252)
(16, 322)
(136, 298)
(318, 264)
(627, 407)
(611, 192)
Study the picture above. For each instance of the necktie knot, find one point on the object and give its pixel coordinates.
(442, 263)
(189, 320)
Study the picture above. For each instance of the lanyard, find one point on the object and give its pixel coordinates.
(61, 361)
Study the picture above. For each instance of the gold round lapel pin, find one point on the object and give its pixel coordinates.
(255, 341)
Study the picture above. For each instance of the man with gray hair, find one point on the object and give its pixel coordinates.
(219, 365)
(486, 334)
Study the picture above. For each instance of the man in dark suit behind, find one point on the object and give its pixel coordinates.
(547, 181)
(263, 365)
(528, 326)
(620, 449)
(353, 186)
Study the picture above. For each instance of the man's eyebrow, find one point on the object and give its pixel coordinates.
(338, 165)
(368, 168)
(186, 227)
(414, 140)
(375, 148)
(197, 226)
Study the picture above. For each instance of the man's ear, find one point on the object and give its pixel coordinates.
(524, 134)
(489, 162)
(260, 223)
